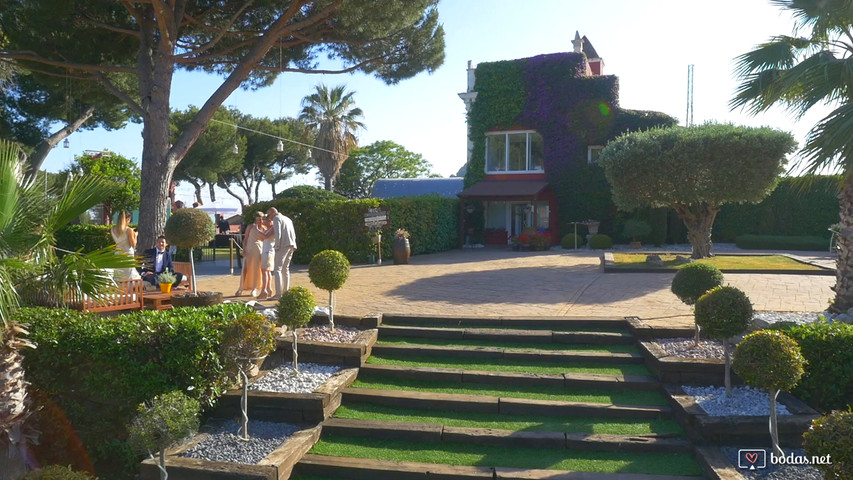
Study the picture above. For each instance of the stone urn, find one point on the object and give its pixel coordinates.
(402, 251)
(200, 299)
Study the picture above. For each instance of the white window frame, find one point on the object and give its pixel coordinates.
(506, 135)
(590, 159)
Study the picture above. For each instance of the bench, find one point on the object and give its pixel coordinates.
(125, 295)
(186, 269)
(159, 301)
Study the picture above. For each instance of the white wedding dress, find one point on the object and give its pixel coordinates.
(123, 243)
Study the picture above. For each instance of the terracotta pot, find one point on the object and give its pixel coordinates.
(402, 251)
(165, 287)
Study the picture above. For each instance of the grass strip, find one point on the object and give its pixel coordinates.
(548, 328)
(551, 347)
(728, 262)
(585, 395)
(488, 456)
(508, 365)
(528, 423)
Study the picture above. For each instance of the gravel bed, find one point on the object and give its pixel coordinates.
(283, 379)
(223, 444)
(687, 348)
(775, 472)
(745, 400)
(324, 333)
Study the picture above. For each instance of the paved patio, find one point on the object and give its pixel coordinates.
(497, 281)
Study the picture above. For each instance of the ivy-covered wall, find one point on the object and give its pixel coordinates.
(550, 94)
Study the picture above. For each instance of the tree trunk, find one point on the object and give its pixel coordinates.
(727, 379)
(844, 265)
(774, 428)
(332, 309)
(327, 182)
(211, 190)
(699, 220)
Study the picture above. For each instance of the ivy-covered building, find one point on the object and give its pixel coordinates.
(535, 127)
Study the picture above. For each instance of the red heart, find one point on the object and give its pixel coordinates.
(752, 457)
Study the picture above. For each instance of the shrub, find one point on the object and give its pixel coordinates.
(164, 421)
(723, 312)
(570, 240)
(635, 228)
(540, 241)
(832, 435)
(295, 308)
(828, 380)
(57, 472)
(86, 237)
(600, 241)
(329, 270)
(189, 228)
(769, 360)
(309, 192)
(782, 242)
(694, 279)
(249, 336)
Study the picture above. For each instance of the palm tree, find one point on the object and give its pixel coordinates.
(799, 73)
(31, 271)
(334, 120)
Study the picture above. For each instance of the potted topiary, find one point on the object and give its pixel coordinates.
(295, 309)
(163, 422)
(772, 361)
(329, 270)
(636, 229)
(832, 436)
(190, 228)
(723, 313)
(692, 281)
(166, 280)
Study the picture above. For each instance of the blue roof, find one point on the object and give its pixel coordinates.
(412, 187)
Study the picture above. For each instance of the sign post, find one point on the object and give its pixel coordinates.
(374, 219)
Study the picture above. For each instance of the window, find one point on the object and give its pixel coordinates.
(592, 153)
(514, 152)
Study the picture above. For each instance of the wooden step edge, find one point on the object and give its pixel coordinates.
(454, 351)
(457, 320)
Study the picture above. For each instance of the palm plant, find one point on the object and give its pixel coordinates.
(334, 120)
(799, 73)
(31, 271)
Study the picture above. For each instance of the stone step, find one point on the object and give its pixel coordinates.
(566, 380)
(457, 321)
(508, 354)
(507, 335)
(436, 433)
(369, 469)
(501, 405)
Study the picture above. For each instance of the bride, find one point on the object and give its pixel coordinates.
(125, 238)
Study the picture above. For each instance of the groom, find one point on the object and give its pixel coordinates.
(284, 239)
(157, 260)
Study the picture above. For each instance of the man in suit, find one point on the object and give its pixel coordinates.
(284, 241)
(158, 260)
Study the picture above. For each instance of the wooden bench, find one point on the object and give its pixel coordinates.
(186, 269)
(126, 295)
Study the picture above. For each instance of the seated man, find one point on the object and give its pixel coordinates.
(157, 260)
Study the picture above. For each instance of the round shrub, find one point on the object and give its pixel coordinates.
(540, 241)
(769, 360)
(568, 241)
(57, 472)
(295, 308)
(600, 241)
(189, 228)
(723, 312)
(248, 336)
(328, 270)
(636, 229)
(694, 279)
(832, 435)
(166, 420)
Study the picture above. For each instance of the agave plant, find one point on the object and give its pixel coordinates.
(33, 271)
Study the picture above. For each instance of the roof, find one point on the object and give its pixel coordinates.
(589, 50)
(505, 189)
(413, 187)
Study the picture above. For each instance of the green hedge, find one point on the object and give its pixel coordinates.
(86, 237)
(782, 242)
(99, 369)
(432, 221)
(828, 380)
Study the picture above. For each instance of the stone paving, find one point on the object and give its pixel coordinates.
(498, 281)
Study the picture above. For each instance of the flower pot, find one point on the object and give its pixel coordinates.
(402, 251)
(165, 287)
(200, 299)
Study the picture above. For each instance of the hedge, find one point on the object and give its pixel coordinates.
(828, 348)
(432, 221)
(99, 369)
(782, 242)
(86, 237)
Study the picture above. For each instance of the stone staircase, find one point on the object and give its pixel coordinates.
(406, 356)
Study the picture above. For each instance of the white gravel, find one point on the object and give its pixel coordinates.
(223, 444)
(283, 379)
(324, 333)
(687, 348)
(744, 401)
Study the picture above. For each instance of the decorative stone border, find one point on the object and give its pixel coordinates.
(684, 371)
(276, 466)
(346, 354)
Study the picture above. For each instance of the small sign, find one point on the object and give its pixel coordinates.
(375, 217)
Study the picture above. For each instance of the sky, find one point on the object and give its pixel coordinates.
(648, 44)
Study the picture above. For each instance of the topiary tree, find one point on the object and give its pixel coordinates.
(189, 228)
(832, 435)
(295, 309)
(166, 420)
(692, 281)
(329, 270)
(723, 313)
(246, 340)
(571, 241)
(772, 361)
(600, 241)
(636, 228)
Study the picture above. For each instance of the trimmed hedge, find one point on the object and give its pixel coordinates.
(781, 242)
(98, 370)
(600, 241)
(828, 349)
(86, 237)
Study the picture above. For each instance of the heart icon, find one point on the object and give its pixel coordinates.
(751, 457)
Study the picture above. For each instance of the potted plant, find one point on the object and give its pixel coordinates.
(329, 271)
(636, 229)
(189, 228)
(166, 280)
(295, 309)
(402, 249)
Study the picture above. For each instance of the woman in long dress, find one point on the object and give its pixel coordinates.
(125, 239)
(253, 245)
(267, 261)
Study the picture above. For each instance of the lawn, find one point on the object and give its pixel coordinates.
(509, 345)
(723, 262)
(508, 365)
(487, 456)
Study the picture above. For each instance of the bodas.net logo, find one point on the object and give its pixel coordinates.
(751, 458)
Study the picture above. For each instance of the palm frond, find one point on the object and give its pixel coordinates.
(828, 143)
